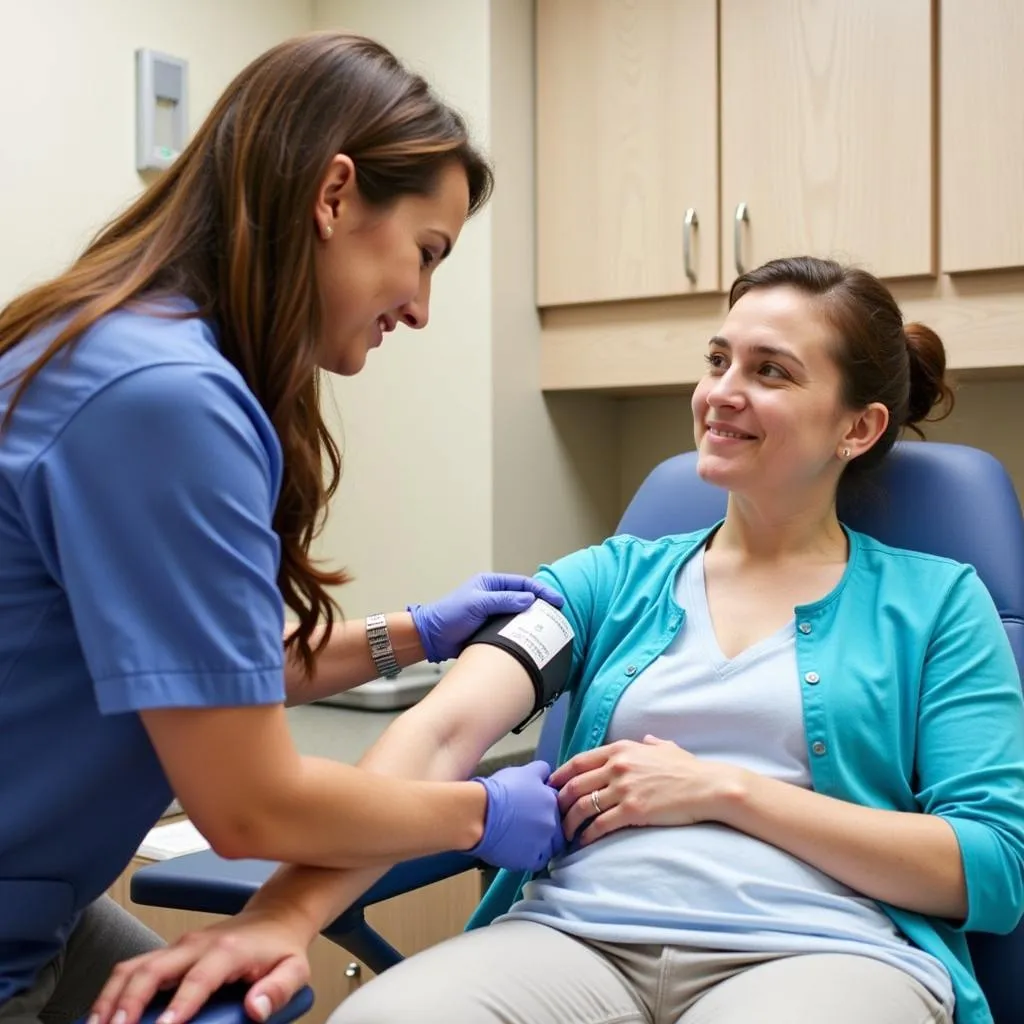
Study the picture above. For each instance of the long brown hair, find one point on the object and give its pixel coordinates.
(230, 227)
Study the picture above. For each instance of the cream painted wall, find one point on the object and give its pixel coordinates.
(413, 514)
(67, 107)
(555, 485)
(454, 463)
(988, 415)
(651, 429)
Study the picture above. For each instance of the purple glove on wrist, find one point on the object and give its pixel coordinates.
(523, 826)
(446, 625)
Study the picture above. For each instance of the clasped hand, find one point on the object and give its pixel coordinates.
(628, 784)
(620, 785)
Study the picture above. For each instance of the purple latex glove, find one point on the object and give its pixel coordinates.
(446, 625)
(523, 826)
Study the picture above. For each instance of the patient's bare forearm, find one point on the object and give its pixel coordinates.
(406, 750)
(443, 738)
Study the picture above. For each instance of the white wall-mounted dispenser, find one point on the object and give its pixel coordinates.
(161, 103)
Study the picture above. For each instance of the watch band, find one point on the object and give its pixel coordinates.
(381, 651)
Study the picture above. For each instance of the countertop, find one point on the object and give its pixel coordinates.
(345, 734)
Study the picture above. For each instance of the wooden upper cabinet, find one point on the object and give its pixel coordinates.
(627, 143)
(981, 73)
(826, 129)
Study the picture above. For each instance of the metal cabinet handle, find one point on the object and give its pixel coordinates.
(690, 221)
(742, 217)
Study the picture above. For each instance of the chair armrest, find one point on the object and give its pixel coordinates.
(209, 883)
(225, 1007)
(200, 881)
(415, 874)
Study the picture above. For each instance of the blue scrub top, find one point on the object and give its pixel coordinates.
(138, 569)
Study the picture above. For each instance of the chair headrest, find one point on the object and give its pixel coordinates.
(944, 499)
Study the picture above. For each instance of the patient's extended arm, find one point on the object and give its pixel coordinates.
(442, 738)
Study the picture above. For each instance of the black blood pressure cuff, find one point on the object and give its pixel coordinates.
(540, 639)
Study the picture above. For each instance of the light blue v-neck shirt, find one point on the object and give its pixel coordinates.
(911, 702)
(707, 886)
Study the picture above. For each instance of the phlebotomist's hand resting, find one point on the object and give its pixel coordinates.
(523, 828)
(446, 625)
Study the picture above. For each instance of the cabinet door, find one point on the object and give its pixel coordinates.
(981, 69)
(827, 133)
(627, 98)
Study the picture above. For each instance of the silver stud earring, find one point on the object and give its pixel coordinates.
(845, 453)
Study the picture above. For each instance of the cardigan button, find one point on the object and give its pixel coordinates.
(818, 747)
(813, 678)
(805, 628)
(631, 670)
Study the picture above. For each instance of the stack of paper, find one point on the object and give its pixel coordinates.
(166, 841)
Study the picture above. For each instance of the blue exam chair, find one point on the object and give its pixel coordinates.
(225, 1007)
(940, 498)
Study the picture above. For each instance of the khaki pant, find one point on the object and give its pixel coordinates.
(65, 988)
(520, 972)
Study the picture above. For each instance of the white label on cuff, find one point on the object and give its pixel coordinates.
(542, 631)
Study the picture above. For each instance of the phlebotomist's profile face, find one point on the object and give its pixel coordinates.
(374, 265)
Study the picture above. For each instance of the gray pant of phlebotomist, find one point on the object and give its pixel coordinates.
(65, 988)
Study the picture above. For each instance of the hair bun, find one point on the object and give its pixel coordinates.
(929, 388)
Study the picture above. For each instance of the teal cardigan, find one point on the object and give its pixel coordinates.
(911, 699)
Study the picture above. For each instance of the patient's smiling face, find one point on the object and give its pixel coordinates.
(768, 414)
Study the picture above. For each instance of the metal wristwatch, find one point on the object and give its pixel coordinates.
(381, 651)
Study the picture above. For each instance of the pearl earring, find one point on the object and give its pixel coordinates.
(846, 453)
(328, 231)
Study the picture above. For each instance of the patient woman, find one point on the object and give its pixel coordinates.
(793, 767)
